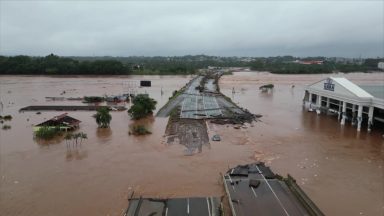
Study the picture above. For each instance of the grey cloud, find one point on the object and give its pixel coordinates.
(249, 28)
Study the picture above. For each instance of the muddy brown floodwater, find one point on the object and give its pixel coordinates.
(339, 168)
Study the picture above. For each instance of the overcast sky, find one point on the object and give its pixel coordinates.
(167, 28)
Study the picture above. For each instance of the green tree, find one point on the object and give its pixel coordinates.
(103, 118)
(142, 106)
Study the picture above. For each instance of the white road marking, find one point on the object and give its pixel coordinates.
(166, 211)
(277, 198)
(209, 210)
(254, 192)
(188, 206)
(231, 183)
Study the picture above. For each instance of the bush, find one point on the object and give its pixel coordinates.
(6, 127)
(103, 118)
(93, 99)
(47, 132)
(142, 106)
(268, 86)
(6, 118)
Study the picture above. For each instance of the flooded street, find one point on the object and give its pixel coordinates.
(340, 169)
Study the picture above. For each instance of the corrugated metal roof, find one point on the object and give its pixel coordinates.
(352, 87)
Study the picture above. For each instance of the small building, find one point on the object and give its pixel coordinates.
(347, 100)
(63, 121)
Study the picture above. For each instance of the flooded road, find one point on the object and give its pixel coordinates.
(340, 169)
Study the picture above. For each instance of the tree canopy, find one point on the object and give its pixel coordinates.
(142, 106)
(173, 65)
(103, 118)
(55, 65)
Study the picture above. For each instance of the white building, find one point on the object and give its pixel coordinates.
(348, 100)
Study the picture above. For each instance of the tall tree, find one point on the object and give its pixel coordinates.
(142, 106)
(103, 118)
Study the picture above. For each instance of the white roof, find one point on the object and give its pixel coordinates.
(352, 87)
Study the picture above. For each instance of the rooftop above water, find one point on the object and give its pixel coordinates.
(375, 90)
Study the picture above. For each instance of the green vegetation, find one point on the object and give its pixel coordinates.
(55, 65)
(139, 130)
(142, 106)
(174, 65)
(268, 86)
(6, 118)
(46, 132)
(93, 99)
(286, 65)
(103, 118)
(6, 127)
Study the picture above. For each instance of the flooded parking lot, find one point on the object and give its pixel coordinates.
(339, 168)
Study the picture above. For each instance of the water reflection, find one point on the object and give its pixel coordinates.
(268, 94)
(103, 133)
(47, 142)
(330, 126)
(146, 122)
(76, 153)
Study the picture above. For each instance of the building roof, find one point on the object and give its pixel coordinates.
(352, 87)
(375, 90)
(62, 119)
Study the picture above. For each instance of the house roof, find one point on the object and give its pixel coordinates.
(352, 87)
(60, 119)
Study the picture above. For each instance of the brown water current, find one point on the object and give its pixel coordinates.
(340, 169)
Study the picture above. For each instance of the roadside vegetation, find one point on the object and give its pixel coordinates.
(142, 107)
(103, 117)
(174, 65)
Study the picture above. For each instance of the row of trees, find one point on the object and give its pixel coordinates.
(177, 65)
(55, 65)
(284, 67)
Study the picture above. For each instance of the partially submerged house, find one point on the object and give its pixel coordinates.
(63, 121)
(357, 104)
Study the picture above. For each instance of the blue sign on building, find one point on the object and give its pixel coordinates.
(328, 85)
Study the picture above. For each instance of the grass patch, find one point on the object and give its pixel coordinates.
(47, 133)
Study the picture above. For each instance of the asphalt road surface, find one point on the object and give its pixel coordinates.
(195, 206)
(271, 197)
